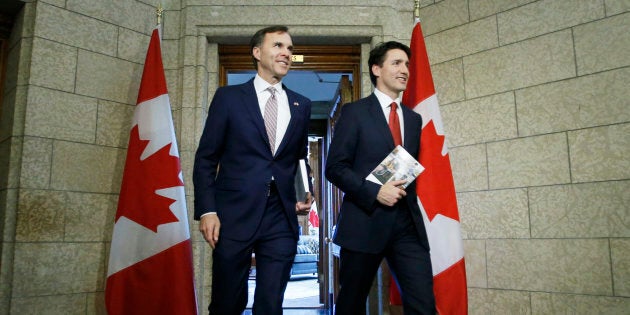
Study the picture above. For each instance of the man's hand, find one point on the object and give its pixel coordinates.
(390, 193)
(303, 207)
(209, 226)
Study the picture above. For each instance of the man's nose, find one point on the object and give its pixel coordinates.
(404, 68)
(286, 51)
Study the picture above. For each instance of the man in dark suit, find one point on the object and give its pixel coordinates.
(379, 221)
(244, 179)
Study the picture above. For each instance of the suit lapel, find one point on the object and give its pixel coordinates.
(250, 101)
(382, 128)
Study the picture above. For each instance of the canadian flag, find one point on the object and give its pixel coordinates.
(435, 188)
(150, 261)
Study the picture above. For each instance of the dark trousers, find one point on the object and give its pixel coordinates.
(407, 259)
(275, 247)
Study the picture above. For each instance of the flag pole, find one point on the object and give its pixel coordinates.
(416, 11)
(158, 13)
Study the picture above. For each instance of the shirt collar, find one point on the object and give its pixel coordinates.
(261, 85)
(384, 99)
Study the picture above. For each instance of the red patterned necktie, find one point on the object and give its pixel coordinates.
(271, 117)
(394, 124)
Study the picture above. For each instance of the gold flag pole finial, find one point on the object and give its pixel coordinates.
(416, 9)
(158, 13)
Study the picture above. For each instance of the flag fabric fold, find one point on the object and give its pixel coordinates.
(150, 268)
(435, 188)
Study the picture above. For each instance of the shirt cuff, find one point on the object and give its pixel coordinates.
(207, 213)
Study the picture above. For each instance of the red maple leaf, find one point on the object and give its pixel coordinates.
(138, 200)
(435, 186)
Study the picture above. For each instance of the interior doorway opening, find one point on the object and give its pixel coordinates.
(323, 74)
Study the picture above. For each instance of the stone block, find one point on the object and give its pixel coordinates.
(487, 301)
(480, 120)
(614, 7)
(89, 217)
(475, 258)
(462, 41)
(552, 303)
(9, 200)
(187, 131)
(544, 17)
(114, 124)
(108, 78)
(470, 167)
(533, 161)
(44, 268)
(482, 8)
(448, 78)
(494, 214)
(577, 266)
(132, 46)
(542, 59)
(95, 304)
(36, 159)
(53, 65)
(620, 255)
(189, 91)
(134, 15)
(443, 15)
(603, 44)
(73, 29)
(591, 210)
(587, 101)
(73, 161)
(67, 304)
(170, 53)
(41, 216)
(60, 115)
(10, 160)
(600, 153)
(18, 66)
(171, 21)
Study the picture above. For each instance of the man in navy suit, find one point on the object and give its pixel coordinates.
(379, 221)
(244, 179)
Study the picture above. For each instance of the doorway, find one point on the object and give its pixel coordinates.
(328, 76)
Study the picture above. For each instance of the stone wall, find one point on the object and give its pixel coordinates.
(534, 97)
(535, 101)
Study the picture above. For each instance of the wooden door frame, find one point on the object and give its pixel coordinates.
(346, 59)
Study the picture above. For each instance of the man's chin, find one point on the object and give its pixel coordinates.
(280, 74)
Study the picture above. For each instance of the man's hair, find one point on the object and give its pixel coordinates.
(259, 36)
(377, 55)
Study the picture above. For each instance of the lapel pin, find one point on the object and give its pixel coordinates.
(296, 104)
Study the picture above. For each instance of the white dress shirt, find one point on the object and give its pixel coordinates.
(385, 102)
(284, 114)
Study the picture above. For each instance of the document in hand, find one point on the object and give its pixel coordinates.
(398, 165)
(301, 181)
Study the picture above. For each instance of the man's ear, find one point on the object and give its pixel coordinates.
(376, 70)
(256, 53)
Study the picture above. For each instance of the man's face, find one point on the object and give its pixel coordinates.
(393, 74)
(274, 56)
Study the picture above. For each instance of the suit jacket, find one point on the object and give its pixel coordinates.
(361, 140)
(234, 164)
